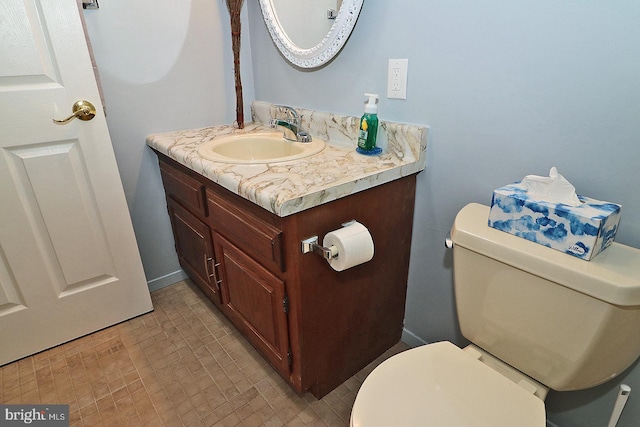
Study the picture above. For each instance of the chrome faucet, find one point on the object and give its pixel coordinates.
(292, 122)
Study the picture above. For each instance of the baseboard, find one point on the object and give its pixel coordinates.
(411, 339)
(166, 280)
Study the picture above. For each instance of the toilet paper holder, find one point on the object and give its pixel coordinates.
(311, 245)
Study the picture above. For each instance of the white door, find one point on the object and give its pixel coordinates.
(69, 263)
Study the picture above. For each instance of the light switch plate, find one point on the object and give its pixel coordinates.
(397, 78)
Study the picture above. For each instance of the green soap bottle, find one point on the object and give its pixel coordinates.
(369, 126)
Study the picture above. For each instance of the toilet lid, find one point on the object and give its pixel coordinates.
(442, 385)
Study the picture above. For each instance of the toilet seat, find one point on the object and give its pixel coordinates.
(441, 385)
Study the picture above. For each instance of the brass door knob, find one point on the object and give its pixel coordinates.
(83, 110)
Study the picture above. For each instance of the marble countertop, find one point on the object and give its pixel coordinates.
(290, 187)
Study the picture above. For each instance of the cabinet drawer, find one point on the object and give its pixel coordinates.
(183, 188)
(254, 236)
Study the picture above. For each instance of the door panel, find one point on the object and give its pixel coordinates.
(26, 57)
(57, 198)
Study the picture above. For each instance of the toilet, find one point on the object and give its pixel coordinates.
(537, 319)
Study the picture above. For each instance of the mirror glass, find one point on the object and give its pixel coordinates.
(310, 33)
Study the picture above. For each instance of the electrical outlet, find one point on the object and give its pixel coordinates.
(397, 78)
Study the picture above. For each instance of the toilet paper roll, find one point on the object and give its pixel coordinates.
(354, 244)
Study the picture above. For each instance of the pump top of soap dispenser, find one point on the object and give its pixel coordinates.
(371, 105)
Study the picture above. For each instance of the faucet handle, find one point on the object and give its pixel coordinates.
(304, 137)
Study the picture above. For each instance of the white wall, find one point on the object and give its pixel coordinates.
(165, 65)
(509, 88)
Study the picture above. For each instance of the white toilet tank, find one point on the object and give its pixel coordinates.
(566, 322)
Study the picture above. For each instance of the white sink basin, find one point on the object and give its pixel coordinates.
(263, 147)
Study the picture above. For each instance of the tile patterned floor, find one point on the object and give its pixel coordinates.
(183, 364)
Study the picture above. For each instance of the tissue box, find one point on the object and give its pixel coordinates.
(582, 231)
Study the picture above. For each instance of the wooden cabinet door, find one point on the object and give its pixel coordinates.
(194, 248)
(254, 299)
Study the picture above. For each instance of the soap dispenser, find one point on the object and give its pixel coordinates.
(369, 127)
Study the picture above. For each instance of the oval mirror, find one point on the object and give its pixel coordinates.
(310, 33)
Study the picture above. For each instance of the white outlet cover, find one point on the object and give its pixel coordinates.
(397, 78)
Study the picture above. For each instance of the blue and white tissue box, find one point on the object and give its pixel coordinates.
(582, 231)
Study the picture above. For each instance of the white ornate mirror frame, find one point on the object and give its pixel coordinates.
(326, 49)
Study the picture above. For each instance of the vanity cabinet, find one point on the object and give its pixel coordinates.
(235, 257)
(317, 327)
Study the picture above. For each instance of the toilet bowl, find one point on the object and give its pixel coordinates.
(537, 319)
(443, 385)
